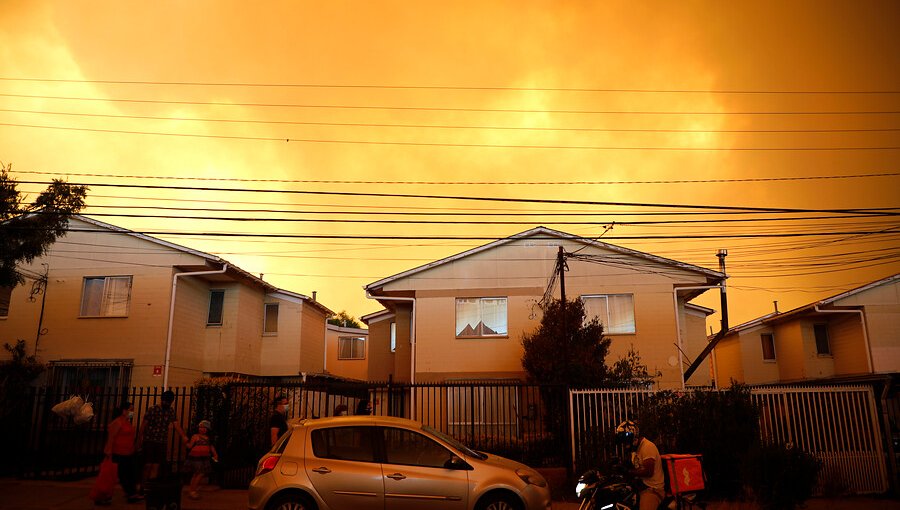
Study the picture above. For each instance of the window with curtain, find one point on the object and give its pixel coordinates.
(105, 296)
(216, 305)
(768, 346)
(615, 311)
(351, 347)
(479, 317)
(270, 324)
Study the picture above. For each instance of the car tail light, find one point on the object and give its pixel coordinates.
(267, 464)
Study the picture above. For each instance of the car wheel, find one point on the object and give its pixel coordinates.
(499, 502)
(291, 502)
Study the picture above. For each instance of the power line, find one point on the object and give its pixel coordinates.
(443, 144)
(478, 183)
(446, 126)
(450, 109)
(446, 87)
(873, 211)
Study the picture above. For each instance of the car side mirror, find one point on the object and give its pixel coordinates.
(455, 462)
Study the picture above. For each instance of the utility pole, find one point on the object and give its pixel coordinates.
(721, 254)
(722, 332)
(561, 267)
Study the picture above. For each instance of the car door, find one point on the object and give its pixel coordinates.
(341, 464)
(416, 474)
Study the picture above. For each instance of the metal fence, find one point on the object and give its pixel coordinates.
(836, 424)
(515, 420)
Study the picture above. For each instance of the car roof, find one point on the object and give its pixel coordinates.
(356, 420)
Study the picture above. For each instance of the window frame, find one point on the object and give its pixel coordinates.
(606, 322)
(266, 308)
(479, 327)
(344, 339)
(823, 327)
(393, 328)
(5, 301)
(210, 308)
(771, 339)
(103, 305)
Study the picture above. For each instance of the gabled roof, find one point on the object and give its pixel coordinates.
(547, 233)
(772, 318)
(214, 259)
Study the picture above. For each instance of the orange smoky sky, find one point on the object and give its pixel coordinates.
(756, 104)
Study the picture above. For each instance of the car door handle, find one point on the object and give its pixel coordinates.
(396, 476)
(322, 470)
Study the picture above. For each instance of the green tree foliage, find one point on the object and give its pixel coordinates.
(26, 230)
(721, 425)
(16, 376)
(630, 371)
(565, 348)
(344, 320)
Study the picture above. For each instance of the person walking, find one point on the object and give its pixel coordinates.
(120, 448)
(154, 434)
(200, 454)
(364, 407)
(278, 421)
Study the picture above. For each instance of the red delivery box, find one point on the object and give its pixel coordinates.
(684, 472)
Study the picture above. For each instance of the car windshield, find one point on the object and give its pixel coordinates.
(454, 443)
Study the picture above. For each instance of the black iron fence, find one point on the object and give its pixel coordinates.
(524, 422)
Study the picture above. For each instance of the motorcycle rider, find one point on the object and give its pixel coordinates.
(646, 464)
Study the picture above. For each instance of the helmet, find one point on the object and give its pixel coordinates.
(626, 432)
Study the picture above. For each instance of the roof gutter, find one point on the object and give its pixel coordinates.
(172, 316)
(862, 323)
(412, 345)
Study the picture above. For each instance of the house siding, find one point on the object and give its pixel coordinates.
(519, 271)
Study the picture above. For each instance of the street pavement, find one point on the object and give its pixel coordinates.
(72, 495)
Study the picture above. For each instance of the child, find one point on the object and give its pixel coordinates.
(200, 451)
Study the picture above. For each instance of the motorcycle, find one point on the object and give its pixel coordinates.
(615, 491)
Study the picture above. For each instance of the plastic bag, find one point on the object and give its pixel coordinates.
(84, 414)
(106, 481)
(69, 407)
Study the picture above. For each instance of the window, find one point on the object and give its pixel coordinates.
(88, 376)
(216, 302)
(106, 296)
(476, 317)
(409, 448)
(823, 347)
(615, 311)
(344, 443)
(351, 347)
(768, 346)
(393, 337)
(271, 321)
(5, 297)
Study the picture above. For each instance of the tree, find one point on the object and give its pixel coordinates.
(344, 320)
(16, 376)
(630, 372)
(576, 357)
(27, 230)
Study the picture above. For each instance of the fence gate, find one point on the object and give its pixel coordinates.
(837, 424)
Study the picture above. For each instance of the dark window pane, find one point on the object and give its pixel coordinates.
(410, 448)
(271, 325)
(216, 301)
(5, 295)
(768, 346)
(821, 332)
(344, 443)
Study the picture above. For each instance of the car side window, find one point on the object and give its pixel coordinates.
(410, 448)
(344, 443)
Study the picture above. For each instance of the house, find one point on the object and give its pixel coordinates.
(106, 306)
(850, 334)
(463, 317)
(347, 353)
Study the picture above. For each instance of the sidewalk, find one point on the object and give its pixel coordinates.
(72, 495)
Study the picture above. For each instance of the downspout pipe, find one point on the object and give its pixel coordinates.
(172, 317)
(412, 346)
(680, 344)
(865, 330)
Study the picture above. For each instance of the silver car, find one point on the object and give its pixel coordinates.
(375, 462)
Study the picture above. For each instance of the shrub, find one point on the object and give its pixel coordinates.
(780, 478)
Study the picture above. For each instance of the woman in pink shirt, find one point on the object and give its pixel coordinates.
(120, 447)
